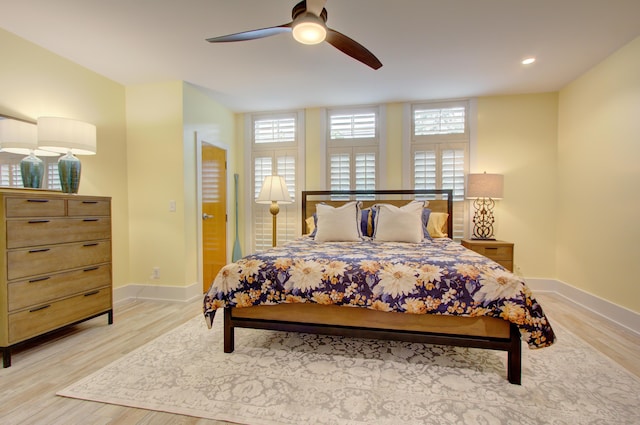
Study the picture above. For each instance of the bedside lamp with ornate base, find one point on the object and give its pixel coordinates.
(484, 189)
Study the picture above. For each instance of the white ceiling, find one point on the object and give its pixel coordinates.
(431, 49)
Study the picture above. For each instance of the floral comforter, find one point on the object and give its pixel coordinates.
(433, 277)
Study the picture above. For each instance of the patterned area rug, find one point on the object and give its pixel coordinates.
(288, 378)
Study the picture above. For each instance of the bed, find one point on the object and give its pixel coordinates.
(388, 279)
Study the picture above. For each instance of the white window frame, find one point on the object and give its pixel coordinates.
(257, 213)
(355, 146)
(439, 143)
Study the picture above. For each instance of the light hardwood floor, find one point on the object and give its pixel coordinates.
(28, 387)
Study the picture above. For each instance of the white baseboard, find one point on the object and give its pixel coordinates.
(158, 293)
(614, 313)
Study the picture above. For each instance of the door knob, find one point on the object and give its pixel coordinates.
(206, 216)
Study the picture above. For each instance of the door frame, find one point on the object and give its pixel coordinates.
(209, 139)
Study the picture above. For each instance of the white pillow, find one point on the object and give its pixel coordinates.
(338, 224)
(402, 224)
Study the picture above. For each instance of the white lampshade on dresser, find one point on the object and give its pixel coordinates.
(69, 137)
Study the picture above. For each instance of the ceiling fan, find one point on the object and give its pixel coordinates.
(309, 27)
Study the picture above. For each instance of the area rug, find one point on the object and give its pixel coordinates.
(287, 378)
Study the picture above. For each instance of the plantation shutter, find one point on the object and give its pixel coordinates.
(287, 218)
(274, 130)
(365, 167)
(353, 149)
(340, 171)
(439, 121)
(424, 166)
(352, 126)
(440, 146)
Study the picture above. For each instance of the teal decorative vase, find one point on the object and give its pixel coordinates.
(32, 171)
(69, 171)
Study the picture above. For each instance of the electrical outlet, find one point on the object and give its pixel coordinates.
(155, 273)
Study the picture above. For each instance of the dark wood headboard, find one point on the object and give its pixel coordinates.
(440, 200)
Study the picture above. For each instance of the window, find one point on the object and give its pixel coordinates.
(352, 149)
(276, 150)
(10, 175)
(440, 152)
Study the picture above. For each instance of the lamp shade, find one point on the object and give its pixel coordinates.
(485, 186)
(64, 135)
(274, 188)
(20, 137)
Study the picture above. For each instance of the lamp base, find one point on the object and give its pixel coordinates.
(483, 219)
(69, 168)
(32, 171)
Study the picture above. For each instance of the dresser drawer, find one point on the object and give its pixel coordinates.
(46, 317)
(88, 208)
(37, 291)
(34, 232)
(34, 207)
(495, 252)
(22, 263)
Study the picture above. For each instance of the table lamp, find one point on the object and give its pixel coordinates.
(484, 189)
(69, 137)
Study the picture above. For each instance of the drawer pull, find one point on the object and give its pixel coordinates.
(33, 310)
(33, 251)
(38, 221)
(91, 244)
(491, 248)
(38, 200)
(90, 219)
(90, 269)
(89, 202)
(39, 279)
(88, 294)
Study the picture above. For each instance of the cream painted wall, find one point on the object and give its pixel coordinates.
(156, 177)
(34, 82)
(599, 178)
(516, 137)
(393, 154)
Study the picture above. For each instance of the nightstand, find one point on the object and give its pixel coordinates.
(499, 251)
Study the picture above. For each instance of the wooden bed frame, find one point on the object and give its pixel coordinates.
(477, 332)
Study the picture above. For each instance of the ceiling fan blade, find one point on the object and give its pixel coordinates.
(315, 6)
(252, 35)
(352, 48)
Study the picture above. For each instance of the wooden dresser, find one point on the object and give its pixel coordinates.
(55, 267)
(499, 251)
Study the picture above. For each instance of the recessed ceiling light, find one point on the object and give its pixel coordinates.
(528, 61)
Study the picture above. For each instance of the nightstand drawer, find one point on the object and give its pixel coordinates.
(499, 251)
(34, 232)
(495, 252)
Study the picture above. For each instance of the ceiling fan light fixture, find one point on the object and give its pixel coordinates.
(309, 30)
